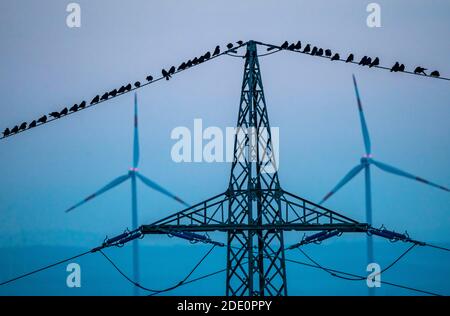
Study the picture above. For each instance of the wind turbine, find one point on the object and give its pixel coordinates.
(132, 175)
(365, 163)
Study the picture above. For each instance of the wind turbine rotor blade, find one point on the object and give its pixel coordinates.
(364, 128)
(350, 175)
(402, 173)
(153, 185)
(107, 187)
(136, 134)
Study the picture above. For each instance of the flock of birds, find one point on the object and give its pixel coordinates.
(230, 48)
(365, 60)
(167, 74)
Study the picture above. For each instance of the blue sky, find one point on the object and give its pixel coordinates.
(45, 65)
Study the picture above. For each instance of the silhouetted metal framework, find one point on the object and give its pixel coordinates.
(255, 211)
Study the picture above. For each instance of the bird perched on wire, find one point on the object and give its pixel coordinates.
(216, 51)
(396, 67)
(42, 119)
(137, 84)
(320, 52)
(284, 45)
(82, 105)
(195, 61)
(401, 67)
(23, 126)
(32, 124)
(328, 52)
(165, 74)
(375, 62)
(104, 96)
(240, 43)
(95, 99)
(229, 45)
(128, 87)
(420, 70)
(435, 74)
(314, 51)
(6, 132)
(113, 93)
(149, 78)
(298, 45)
(64, 111)
(189, 63)
(291, 47)
(207, 55)
(74, 108)
(55, 115)
(15, 129)
(350, 58)
(307, 48)
(336, 57)
(172, 70)
(363, 61)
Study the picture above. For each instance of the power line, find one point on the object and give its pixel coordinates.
(355, 277)
(125, 92)
(45, 268)
(348, 62)
(163, 290)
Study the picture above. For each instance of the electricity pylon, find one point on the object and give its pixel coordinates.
(254, 211)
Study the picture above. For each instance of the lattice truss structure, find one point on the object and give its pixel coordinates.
(254, 211)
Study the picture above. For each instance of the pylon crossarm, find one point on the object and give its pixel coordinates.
(297, 209)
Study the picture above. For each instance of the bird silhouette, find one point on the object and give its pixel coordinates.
(240, 43)
(137, 84)
(64, 111)
(15, 129)
(165, 74)
(320, 52)
(113, 93)
(298, 45)
(401, 68)
(172, 70)
(284, 45)
(307, 48)
(6, 132)
(328, 52)
(55, 114)
(420, 70)
(207, 55)
(291, 47)
(82, 105)
(314, 51)
(23, 126)
(104, 96)
(189, 63)
(32, 124)
(435, 74)
(128, 87)
(396, 67)
(216, 50)
(350, 58)
(43, 119)
(363, 61)
(335, 57)
(229, 45)
(95, 99)
(149, 78)
(271, 48)
(121, 89)
(74, 108)
(375, 62)
(195, 61)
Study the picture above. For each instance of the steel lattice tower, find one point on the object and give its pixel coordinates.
(254, 211)
(265, 272)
